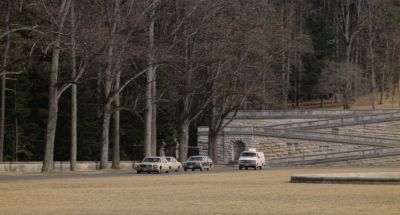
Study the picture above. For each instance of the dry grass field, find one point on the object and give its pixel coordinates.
(245, 192)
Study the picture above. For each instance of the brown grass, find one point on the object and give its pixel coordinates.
(246, 192)
(362, 103)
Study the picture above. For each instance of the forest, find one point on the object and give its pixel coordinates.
(118, 80)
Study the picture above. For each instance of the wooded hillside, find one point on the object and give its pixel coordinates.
(117, 80)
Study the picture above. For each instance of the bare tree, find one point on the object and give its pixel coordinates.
(3, 82)
(150, 128)
(120, 29)
(54, 91)
(56, 87)
(74, 106)
(342, 80)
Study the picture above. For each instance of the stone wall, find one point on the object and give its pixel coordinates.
(284, 148)
(59, 166)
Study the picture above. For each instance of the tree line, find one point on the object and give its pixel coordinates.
(122, 79)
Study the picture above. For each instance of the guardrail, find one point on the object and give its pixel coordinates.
(304, 114)
(339, 122)
(334, 157)
(314, 136)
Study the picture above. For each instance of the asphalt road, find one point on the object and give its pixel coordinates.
(109, 173)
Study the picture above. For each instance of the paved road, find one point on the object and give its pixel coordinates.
(102, 174)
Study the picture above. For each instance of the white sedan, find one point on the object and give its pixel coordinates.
(153, 164)
(174, 164)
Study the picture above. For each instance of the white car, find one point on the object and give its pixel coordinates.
(174, 164)
(153, 164)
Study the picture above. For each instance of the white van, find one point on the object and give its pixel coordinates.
(251, 159)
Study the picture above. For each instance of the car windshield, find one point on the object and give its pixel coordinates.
(171, 159)
(152, 160)
(195, 159)
(248, 154)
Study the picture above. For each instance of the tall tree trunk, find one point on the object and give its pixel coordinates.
(212, 130)
(371, 54)
(108, 79)
(183, 140)
(48, 165)
(153, 87)
(3, 84)
(116, 143)
(106, 114)
(105, 129)
(149, 142)
(16, 124)
(74, 106)
(347, 36)
(213, 139)
(51, 124)
(284, 97)
(154, 116)
(148, 120)
(184, 127)
(385, 70)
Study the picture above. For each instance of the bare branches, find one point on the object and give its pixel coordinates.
(33, 28)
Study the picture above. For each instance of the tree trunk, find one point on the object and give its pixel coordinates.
(212, 129)
(51, 128)
(108, 79)
(3, 84)
(116, 143)
(53, 95)
(384, 71)
(149, 114)
(106, 114)
(284, 96)
(150, 136)
(212, 138)
(52, 110)
(154, 117)
(74, 107)
(371, 54)
(16, 124)
(153, 85)
(184, 140)
(148, 119)
(105, 130)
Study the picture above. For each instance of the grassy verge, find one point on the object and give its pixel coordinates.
(245, 192)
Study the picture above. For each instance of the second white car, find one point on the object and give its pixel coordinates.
(174, 164)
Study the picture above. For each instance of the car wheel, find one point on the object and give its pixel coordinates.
(192, 169)
(184, 169)
(240, 168)
(246, 168)
(139, 172)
